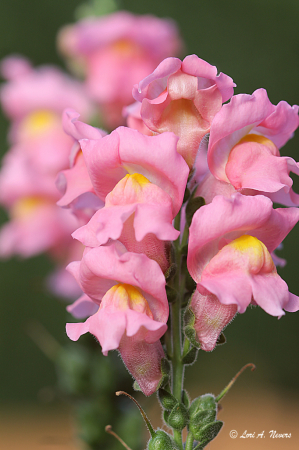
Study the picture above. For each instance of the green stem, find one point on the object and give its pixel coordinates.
(177, 365)
(189, 442)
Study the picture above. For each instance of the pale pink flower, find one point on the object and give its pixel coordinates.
(229, 257)
(138, 214)
(117, 51)
(130, 291)
(132, 114)
(106, 160)
(183, 97)
(244, 146)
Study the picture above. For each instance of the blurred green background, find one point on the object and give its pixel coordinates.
(257, 44)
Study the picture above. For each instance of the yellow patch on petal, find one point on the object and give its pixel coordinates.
(126, 48)
(38, 122)
(256, 252)
(125, 296)
(128, 190)
(137, 178)
(260, 140)
(25, 206)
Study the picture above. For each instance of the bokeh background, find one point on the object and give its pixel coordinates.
(255, 42)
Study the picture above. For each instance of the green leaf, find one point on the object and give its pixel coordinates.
(208, 433)
(199, 421)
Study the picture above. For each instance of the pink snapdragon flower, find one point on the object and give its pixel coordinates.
(129, 290)
(117, 51)
(244, 147)
(183, 97)
(229, 257)
(74, 183)
(125, 151)
(138, 214)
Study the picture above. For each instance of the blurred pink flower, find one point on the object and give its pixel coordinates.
(115, 52)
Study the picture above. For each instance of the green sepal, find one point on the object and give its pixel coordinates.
(221, 339)
(171, 294)
(171, 271)
(192, 206)
(136, 386)
(166, 416)
(178, 417)
(190, 356)
(165, 369)
(161, 441)
(189, 331)
(165, 366)
(189, 317)
(167, 400)
(208, 433)
(186, 399)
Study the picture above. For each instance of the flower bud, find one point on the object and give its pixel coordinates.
(161, 441)
(178, 418)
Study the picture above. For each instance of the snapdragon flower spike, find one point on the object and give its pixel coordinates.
(229, 256)
(138, 214)
(183, 97)
(133, 309)
(244, 144)
(125, 151)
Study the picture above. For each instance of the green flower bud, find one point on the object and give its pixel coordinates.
(161, 441)
(178, 418)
